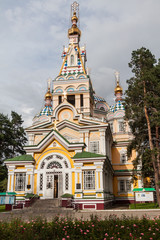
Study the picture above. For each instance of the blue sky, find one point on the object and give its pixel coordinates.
(33, 33)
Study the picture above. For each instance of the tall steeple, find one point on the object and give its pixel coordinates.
(118, 89)
(74, 56)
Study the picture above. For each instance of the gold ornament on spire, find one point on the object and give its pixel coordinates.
(48, 95)
(118, 88)
(74, 30)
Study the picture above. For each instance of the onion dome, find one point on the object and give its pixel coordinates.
(118, 89)
(98, 99)
(47, 110)
(48, 95)
(117, 106)
(74, 30)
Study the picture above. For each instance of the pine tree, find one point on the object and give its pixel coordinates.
(142, 104)
(12, 140)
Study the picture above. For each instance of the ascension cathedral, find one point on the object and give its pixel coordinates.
(77, 144)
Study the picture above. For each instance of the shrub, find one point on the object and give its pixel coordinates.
(67, 195)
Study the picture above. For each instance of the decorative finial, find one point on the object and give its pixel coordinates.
(48, 95)
(75, 9)
(117, 77)
(74, 30)
(49, 83)
(118, 90)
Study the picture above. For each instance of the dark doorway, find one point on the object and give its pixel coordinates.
(55, 186)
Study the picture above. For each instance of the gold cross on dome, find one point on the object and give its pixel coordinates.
(75, 6)
(117, 77)
(49, 83)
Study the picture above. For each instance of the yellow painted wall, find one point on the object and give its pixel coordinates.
(35, 183)
(73, 183)
(50, 150)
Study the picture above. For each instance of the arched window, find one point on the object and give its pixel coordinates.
(54, 164)
(72, 60)
(102, 109)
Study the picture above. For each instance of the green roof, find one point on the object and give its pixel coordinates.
(7, 193)
(21, 158)
(144, 189)
(87, 155)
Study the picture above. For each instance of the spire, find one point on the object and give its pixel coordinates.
(118, 89)
(74, 33)
(48, 95)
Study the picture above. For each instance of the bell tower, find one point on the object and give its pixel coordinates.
(73, 82)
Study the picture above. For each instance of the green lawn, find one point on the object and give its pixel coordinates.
(2, 208)
(143, 206)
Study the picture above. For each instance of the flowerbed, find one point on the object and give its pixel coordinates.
(111, 228)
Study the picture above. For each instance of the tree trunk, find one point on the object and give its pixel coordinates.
(157, 147)
(155, 167)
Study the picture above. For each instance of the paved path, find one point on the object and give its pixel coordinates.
(28, 214)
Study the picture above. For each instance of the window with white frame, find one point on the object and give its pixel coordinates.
(94, 146)
(41, 182)
(124, 185)
(72, 60)
(89, 179)
(66, 181)
(121, 126)
(20, 181)
(123, 157)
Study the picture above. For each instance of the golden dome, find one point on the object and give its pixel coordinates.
(48, 94)
(74, 29)
(118, 88)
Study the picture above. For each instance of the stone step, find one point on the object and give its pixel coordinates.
(47, 203)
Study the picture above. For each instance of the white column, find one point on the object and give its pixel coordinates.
(102, 142)
(99, 176)
(87, 140)
(81, 137)
(78, 174)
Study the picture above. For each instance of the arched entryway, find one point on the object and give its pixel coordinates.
(54, 175)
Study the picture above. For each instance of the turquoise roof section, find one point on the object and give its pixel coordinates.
(21, 158)
(87, 155)
(47, 110)
(117, 106)
(98, 99)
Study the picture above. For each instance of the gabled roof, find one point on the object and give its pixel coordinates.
(53, 134)
(87, 155)
(22, 158)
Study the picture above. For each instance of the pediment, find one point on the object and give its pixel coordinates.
(49, 141)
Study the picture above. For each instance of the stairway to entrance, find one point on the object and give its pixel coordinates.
(45, 209)
(48, 206)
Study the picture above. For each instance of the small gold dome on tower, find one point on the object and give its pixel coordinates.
(118, 89)
(74, 29)
(48, 94)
